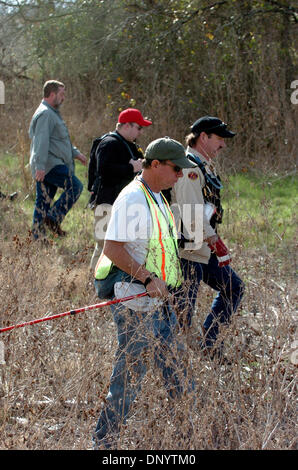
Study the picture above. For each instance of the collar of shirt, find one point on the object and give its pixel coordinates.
(210, 168)
(45, 103)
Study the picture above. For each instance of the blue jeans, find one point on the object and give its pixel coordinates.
(58, 177)
(139, 334)
(230, 292)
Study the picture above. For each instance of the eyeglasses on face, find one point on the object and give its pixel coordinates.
(136, 126)
(176, 168)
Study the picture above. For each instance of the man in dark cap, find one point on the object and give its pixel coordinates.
(141, 254)
(208, 261)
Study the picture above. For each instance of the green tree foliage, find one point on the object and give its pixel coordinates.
(233, 58)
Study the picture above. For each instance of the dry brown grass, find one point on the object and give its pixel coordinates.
(56, 374)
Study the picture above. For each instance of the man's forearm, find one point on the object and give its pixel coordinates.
(117, 253)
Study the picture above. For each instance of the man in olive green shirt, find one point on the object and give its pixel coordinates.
(52, 162)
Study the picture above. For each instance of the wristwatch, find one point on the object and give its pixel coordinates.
(149, 279)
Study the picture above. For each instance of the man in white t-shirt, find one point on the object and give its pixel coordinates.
(140, 255)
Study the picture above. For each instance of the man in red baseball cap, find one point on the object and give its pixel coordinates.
(132, 115)
(118, 159)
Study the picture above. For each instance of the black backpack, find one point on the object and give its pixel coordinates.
(92, 168)
(94, 179)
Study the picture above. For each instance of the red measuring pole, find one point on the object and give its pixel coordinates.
(72, 312)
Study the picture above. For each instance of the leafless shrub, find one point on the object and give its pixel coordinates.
(56, 374)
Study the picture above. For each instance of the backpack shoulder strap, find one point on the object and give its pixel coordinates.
(119, 137)
(195, 159)
(214, 181)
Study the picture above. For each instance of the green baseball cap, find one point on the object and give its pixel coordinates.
(166, 148)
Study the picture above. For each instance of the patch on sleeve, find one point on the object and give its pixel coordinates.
(193, 175)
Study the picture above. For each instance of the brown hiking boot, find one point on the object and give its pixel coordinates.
(54, 227)
(11, 197)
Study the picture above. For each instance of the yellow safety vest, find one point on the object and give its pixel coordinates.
(162, 257)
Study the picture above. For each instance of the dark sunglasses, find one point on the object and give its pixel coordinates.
(176, 168)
